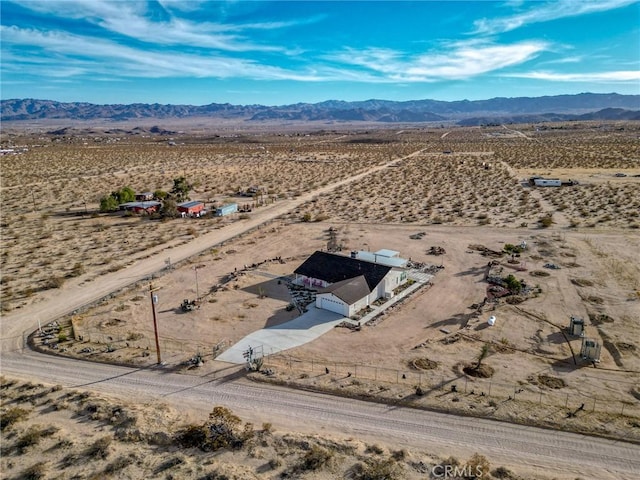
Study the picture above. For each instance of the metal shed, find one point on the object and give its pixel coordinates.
(227, 209)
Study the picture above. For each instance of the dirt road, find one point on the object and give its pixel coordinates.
(557, 454)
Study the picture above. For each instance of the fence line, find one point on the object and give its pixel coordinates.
(430, 381)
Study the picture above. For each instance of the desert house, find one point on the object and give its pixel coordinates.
(144, 196)
(347, 284)
(192, 208)
(140, 207)
(226, 209)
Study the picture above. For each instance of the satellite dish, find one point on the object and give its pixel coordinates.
(492, 320)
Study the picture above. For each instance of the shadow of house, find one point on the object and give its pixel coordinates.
(273, 288)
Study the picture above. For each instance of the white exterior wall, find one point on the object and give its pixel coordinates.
(547, 182)
(328, 301)
(393, 280)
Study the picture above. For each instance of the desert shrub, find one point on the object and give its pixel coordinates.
(11, 416)
(377, 469)
(316, 458)
(504, 473)
(546, 221)
(477, 466)
(306, 217)
(375, 449)
(222, 430)
(77, 270)
(192, 436)
(99, 448)
(35, 471)
(118, 464)
(170, 463)
(31, 437)
(399, 455)
(54, 282)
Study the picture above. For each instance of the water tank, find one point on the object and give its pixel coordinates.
(492, 320)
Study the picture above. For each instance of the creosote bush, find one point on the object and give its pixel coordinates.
(12, 416)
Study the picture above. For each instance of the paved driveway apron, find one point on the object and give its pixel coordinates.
(303, 329)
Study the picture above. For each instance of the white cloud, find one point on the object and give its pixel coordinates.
(594, 77)
(544, 12)
(132, 19)
(72, 55)
(457, 61)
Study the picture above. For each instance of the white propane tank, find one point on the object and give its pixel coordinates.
(492, 320)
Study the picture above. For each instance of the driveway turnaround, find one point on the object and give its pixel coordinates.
(303, 329)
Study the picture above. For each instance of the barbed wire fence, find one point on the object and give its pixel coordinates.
(433, 381)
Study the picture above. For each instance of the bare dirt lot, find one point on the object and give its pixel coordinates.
(459, 191)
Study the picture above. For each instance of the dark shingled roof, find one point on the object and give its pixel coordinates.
(350, 290)
(334, 268)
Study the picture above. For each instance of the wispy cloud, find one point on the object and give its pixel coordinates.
(544, 12)
(593, 77)
(134, 20)
(103, 57)
(456, 61)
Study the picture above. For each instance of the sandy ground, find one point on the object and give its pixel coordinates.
(533, 361)
(593, 240)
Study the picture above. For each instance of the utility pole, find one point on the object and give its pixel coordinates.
(154, 300)
(197, 289)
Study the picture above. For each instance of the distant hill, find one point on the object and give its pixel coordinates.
(585, 106)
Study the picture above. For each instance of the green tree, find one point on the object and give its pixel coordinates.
(108, 203)
(181, 189)
(169, 208)
(484, 351)
(513, 283)
(126, 194)
(160, 194)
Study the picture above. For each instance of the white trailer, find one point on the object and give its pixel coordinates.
(547, 182)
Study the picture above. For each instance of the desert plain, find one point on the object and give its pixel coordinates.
(464, 190)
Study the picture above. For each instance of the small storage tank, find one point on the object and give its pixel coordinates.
(576, 327)
(492, 320)
(590, 350)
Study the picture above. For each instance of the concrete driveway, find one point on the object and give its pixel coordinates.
(305, 328)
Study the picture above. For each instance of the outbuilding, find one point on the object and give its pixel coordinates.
(192, 208)
(226, 209)
(140, 207)
(144, 196)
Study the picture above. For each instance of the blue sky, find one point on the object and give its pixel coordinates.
(276, 53)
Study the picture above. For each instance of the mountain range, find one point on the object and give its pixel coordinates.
(584, 106)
